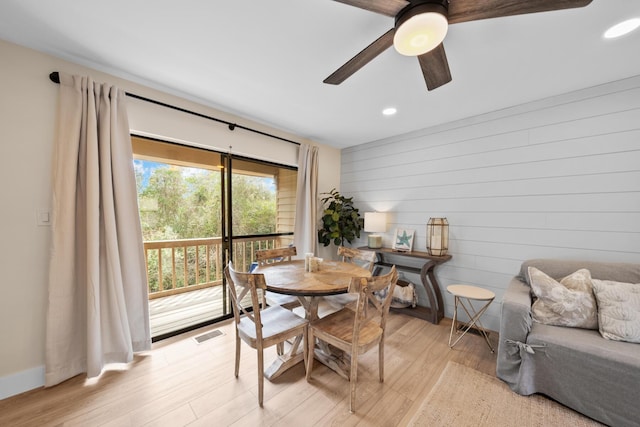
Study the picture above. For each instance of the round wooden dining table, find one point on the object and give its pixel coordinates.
(291, 278)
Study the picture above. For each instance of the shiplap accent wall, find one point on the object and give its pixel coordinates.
(555, 178)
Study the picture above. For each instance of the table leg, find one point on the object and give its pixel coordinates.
(334, 359)
(433, 291)
(474, 317)
(286, 361)
(295, 354)
(454, 322)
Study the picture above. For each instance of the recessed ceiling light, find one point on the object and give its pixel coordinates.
(390, 111)
(624, 27)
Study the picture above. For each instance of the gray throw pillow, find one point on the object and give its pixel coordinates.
(569, 302)
(618, 310)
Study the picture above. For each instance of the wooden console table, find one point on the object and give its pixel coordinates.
(435, 312)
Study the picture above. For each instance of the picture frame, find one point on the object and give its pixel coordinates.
(403, 240)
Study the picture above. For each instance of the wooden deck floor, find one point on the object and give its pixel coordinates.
(177, 312)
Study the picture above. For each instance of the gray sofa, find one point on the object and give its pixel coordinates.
(576, 367)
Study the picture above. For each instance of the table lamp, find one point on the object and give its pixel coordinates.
(375, 222)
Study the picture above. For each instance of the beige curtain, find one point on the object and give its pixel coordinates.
(305, 233)
(98, 308)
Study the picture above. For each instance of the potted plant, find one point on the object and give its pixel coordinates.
(340, 219)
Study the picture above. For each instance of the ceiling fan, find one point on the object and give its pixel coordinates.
(421, 25)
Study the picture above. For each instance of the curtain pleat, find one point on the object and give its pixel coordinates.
(305, 231)
(98, 305)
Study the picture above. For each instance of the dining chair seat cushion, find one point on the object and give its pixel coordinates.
(339, 326)
(275, 321)
(286, 301)
(325, 308)
(342, 300)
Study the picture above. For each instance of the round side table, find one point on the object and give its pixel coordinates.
(463, 296)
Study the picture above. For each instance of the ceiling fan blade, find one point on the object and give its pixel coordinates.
(472, 10)
(361, 59)
(384, 7)
(435, 67)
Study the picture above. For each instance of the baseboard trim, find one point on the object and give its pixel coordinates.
(21, 381)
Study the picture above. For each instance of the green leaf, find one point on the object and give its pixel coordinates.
(341, 220)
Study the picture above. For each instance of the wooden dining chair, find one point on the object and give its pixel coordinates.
(258, 326)
(269, 256)
(356, 332)
(363, 258)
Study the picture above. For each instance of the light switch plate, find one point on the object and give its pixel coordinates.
(43, 217)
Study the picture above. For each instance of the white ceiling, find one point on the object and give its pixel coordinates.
(265, 59)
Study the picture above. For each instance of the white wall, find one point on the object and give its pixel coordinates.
(28, 104)
(556, 178)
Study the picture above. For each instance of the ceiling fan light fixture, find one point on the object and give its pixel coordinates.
(420, 28)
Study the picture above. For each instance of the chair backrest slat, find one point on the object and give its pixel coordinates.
(366, 259)
(367, 300)
(241, 285)
(268, 256)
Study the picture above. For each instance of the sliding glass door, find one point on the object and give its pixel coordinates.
(262, 200)
(198, 209)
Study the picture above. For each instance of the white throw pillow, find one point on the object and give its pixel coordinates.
(618, 310)
(569, 302)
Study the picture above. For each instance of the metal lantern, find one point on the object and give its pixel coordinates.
(437, 236)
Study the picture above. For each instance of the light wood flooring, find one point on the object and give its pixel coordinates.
(180, 382)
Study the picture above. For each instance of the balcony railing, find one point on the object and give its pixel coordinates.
(176, 266)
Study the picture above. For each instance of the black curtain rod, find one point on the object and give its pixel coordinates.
(55, 77)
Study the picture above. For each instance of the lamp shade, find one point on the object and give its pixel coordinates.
(420, 29)
(437, 236)
(375, 222)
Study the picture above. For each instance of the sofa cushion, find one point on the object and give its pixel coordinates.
(569, 302)
(558, 268)
(618, 310)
